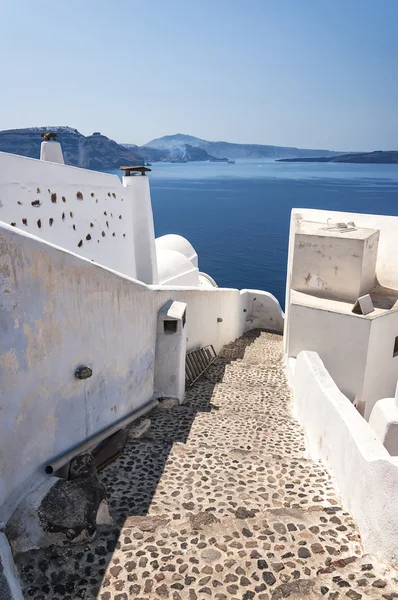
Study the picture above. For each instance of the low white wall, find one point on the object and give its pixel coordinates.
(366, 475)
(88, 213)
(262, 311)
(60, 312)
(204, 308)
(219, 315)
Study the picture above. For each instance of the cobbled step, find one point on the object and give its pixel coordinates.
(226, 558)
(243, 374)
(275, 401)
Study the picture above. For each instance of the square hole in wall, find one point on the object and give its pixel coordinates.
(170, 326)
(395, 353)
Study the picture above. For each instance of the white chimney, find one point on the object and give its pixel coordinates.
(137, 183)
(51, 150)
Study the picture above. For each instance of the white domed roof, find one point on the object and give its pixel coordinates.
(175, 268)
(178, 243)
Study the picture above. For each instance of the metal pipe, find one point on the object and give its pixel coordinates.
(89, 444)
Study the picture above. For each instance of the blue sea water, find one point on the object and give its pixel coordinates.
(237, 216)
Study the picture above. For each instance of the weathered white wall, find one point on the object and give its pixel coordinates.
(381, 366)
(366, 475)
(341, 340)
(88, 213)
(204, 308)
(262, 311)
(384, 423)
(58, 312)
(356, 350)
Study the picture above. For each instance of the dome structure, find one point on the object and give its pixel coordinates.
(176, 269)
(179, 244)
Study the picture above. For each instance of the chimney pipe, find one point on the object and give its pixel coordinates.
(51, 150)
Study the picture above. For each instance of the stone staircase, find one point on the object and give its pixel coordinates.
(219, 500)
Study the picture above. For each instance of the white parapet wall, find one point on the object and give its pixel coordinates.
(61, 312)
(214, 316)
(365, 473)
(86, 212)
(262, 311)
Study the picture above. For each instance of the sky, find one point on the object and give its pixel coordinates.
(306, 73)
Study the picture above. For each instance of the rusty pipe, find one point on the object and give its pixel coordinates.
(99, 437)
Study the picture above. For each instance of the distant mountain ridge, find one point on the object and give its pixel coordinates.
(91, 152)
(95, 151)
(99, 152)
(231, 150)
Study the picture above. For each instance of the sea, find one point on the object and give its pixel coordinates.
(237, 216)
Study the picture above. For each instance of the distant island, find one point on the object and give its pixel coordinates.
(387, 157)
(99, 152)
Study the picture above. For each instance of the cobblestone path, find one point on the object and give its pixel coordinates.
(220, 501)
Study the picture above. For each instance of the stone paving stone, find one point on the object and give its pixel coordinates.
(219, 500)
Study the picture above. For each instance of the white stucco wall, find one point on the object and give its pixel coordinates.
(88, 213)
(384, 423)
(58, 312)
(366, 475)
(381, 366)
(204, 308)
(340, 339)
(262, 311)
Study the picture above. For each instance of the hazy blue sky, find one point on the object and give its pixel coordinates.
(308, 73)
